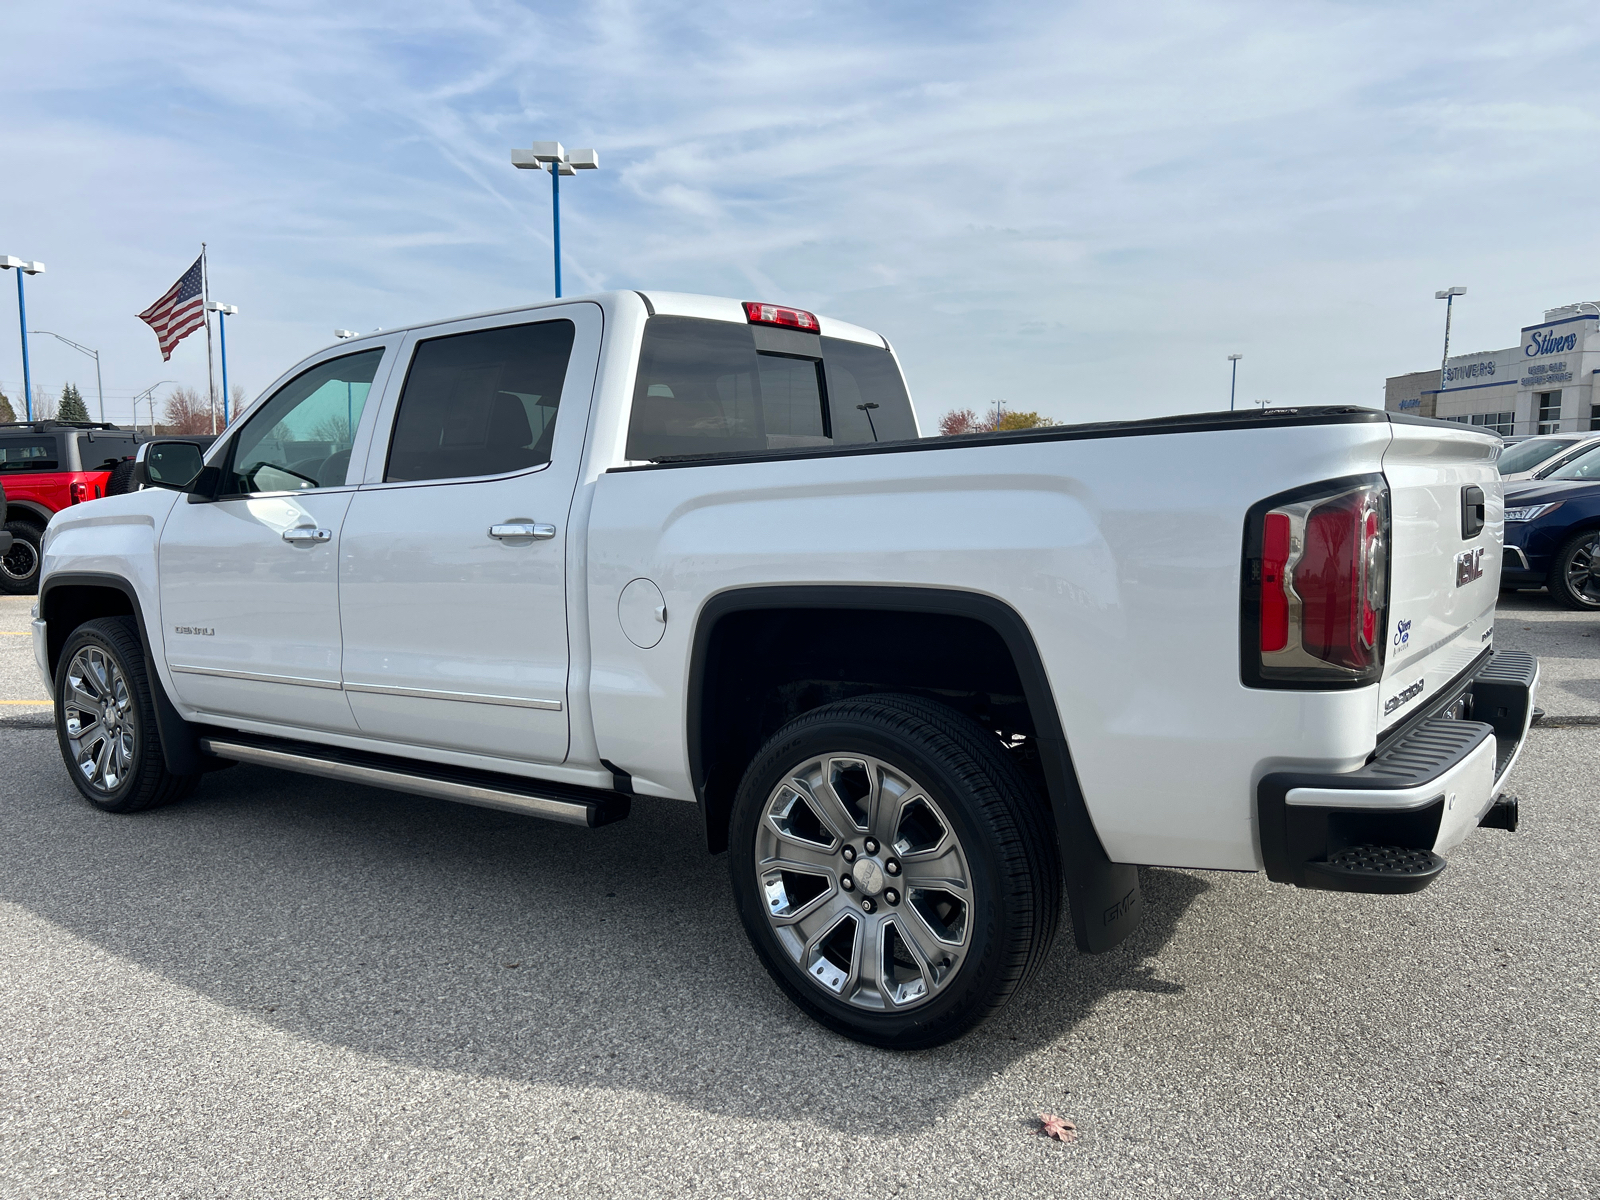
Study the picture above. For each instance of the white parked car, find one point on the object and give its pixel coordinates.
(930, 694)
(1535, 456)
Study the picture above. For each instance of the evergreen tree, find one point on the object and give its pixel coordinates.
(72, 407)
(7, 413)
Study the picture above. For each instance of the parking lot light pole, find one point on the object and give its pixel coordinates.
(148, 392)
(223, 311)
(1233, 387)
(9, 263)
(554, 157)
(1449, 297)
(95, 354)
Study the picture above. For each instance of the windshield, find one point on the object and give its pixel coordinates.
(1525, 456)
(1585, 466)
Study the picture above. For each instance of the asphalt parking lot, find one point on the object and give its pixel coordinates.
(285, 987)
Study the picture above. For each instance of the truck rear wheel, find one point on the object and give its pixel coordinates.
(1575, 575)
(894, 870)
(106, 721)
(19, 566)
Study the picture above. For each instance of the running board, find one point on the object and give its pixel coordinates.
(567, 803)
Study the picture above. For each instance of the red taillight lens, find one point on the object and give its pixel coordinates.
(1320, 580)
(80, 492)
(1274, 601)
(758, 313)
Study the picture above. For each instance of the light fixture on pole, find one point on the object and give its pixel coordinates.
(553, 157)
(7, 263)
(95, 354)
(1234, 386)
(223, 311)
(1449, 297)
(345, 334)
(149, 393)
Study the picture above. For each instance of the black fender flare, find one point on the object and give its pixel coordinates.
(180, 743)
(1103, 895)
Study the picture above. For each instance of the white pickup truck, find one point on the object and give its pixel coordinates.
(926, 692)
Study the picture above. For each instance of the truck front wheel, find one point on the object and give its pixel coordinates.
(894, 870)
(106, 720)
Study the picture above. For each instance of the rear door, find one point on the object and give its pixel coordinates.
(1444, 563)
(453, 571)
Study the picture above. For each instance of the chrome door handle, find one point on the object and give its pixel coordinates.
(307, 533)
(521, 529)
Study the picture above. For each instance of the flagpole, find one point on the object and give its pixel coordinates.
(205, 289)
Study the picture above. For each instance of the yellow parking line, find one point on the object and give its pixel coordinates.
(16, 633)
(35, 703)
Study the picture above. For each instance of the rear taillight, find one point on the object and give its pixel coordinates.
(1316, 585)
(79, 491)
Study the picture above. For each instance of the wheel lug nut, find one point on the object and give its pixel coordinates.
(892, 866)
(848, 884)
(867, 905)
(892, 896)
(872, 846)
(849, 853)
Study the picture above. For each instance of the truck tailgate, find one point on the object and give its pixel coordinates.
(1444, 573)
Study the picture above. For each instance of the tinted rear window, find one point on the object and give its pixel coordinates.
(28, 454)
(704, 387)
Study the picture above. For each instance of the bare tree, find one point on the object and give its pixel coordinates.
(44, 404)
(186, 411)
(237, 401)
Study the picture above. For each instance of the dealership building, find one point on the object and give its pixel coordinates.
(1545, 384)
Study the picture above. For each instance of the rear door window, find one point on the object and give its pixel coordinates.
(29, 454)
(715, 387)
(480, 403)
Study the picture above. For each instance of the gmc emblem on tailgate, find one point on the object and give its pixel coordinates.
(1469, 566)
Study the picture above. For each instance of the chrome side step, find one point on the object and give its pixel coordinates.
(535, 798)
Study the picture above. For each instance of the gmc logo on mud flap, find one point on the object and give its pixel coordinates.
(1469, 566)
(1122, 907)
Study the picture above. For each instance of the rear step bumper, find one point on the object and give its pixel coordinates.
(535, 798)
(1384, 827)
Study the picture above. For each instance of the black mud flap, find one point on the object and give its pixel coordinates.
(1103, 895)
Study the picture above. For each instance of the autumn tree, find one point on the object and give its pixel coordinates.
(72, 408)
(186, 411)
(996, 420)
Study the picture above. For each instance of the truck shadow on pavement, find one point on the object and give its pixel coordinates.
(473, 941)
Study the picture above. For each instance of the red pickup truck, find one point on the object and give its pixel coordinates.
(46, 466)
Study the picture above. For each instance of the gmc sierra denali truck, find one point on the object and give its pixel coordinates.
(929, 694)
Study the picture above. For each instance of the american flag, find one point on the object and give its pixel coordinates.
(180, 312)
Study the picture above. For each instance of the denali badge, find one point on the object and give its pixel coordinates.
(1394, 702)
(1469, 566)
(198, 630)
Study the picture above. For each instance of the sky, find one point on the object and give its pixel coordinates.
(1078, 209)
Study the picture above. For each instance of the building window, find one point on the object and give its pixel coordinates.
(1496, 422)
(1549, 411)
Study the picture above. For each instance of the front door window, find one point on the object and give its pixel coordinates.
(300, 439)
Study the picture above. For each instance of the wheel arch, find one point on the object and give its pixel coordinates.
(30, 511)
(1104, 896)
(67, 600)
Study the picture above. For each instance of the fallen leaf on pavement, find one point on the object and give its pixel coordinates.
(1056, 1127)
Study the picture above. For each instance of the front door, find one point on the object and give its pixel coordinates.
(453, 556)
(250, 581)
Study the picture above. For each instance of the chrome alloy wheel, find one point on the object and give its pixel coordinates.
(1583, 573)
(864, 882)
(98, 714)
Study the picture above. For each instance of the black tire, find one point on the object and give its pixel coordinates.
(19, 566)
(1575, 574)
(142, 780)
(121, 481)
(1002, 827)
